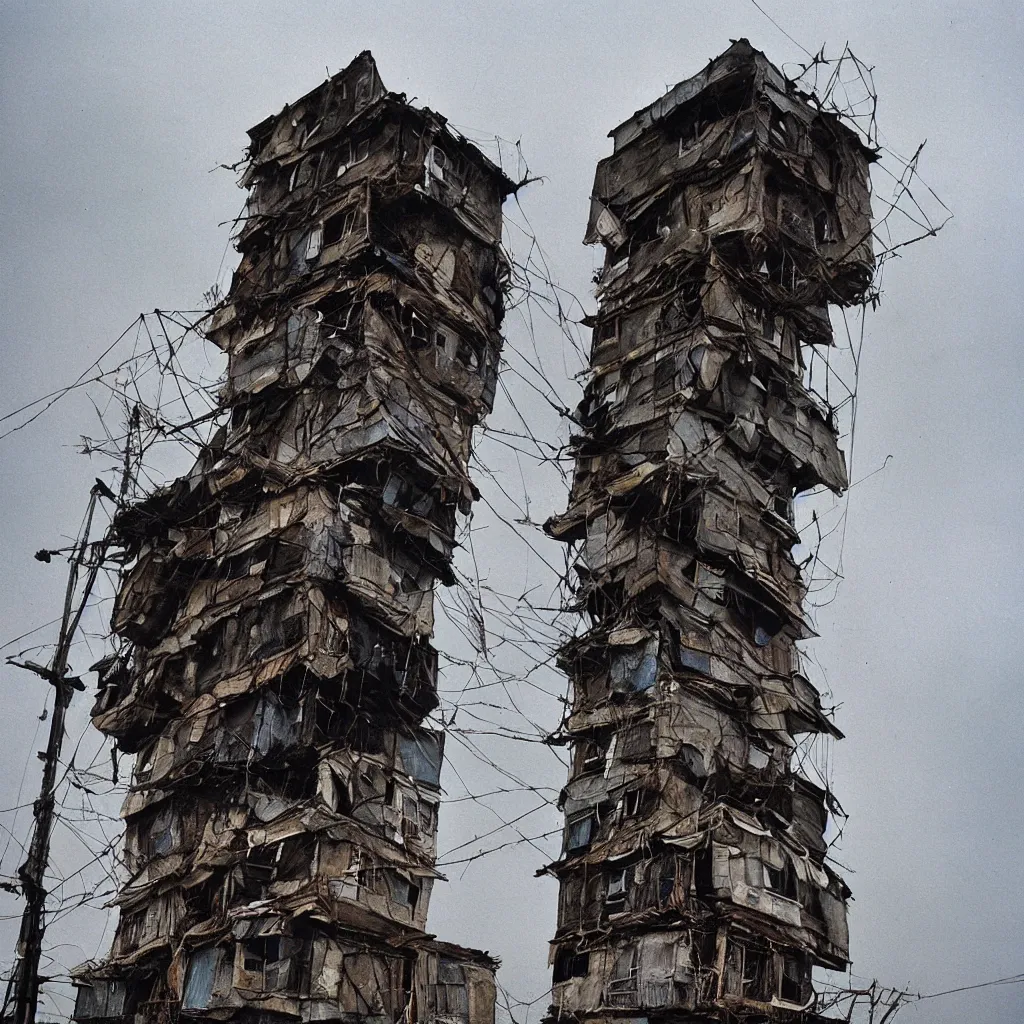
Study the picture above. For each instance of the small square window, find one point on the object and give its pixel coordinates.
(580, 832)
(339, 225)
(466, 354)
(618, 884)
(570, 964)
(633, 803)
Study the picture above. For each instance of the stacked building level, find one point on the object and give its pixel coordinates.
(276, 611)
(694, 882)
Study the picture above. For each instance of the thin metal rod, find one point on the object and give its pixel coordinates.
(25, 979)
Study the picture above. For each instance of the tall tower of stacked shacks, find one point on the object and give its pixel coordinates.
(276, 611)
(693, 879)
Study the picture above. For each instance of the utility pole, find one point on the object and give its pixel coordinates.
(24, 982)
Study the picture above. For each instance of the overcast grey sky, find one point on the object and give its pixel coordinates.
(112, 116)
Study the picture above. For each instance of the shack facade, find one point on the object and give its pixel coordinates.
(275, 613)
(694, 884)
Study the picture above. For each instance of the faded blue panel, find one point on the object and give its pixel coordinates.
(101, 999)
(635, 668)
(202, 969)
(276, 727)
(578, 833)
(401, 889)
(163, 832)
(699, 661)
(421, 755)
(643, 678)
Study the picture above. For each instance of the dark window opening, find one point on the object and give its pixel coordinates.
(293, 629)
(756, 974)
(703, 871)
(352, 152)
(680, 520)
(782, 269)
(267, 638)
(617, 889)
(402, 890)
(441, 346)
(426, 817)
(783, 880)
(636, 803)
(340, 225)
(162, 833)
(606, 330)
(261, 863)
(237, 567)
(402, 493)
(369, 879)
(453, 169)
(579, 832)
(257, 952)
(792, 987)
(667, 881)
(635, 742)
(264, 966)
(765, 626)
(417, 330)
(824, 227)
(784, 508)
(113, 683)
(795, 219)
(635, 669)
(467, 355)
(591, 754)
(285, 559)
(692, 119)
(570, 964)
(688, 659)
(778, 131)
(684, 308)
(421, 755)
(624, 981)
(691, 761)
